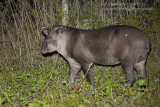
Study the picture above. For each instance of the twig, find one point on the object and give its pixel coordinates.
(52, 72)
(86, 73)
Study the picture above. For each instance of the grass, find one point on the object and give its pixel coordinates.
(47, 86)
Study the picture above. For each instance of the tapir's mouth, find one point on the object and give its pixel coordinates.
(47, 52)
(44, 52)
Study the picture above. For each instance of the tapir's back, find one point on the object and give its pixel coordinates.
(109, 44)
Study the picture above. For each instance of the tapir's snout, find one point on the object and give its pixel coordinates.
(48, 47)
(44, 48)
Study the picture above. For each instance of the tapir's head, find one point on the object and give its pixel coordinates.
(52, 39)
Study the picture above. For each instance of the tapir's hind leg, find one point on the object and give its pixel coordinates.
(140, 68)
(128, 66)
(129, 75)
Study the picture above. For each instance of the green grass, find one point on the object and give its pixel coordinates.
(47, 86)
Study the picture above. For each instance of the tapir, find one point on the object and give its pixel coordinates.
(113, 45)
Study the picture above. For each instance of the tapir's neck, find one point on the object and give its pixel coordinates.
(62, 43)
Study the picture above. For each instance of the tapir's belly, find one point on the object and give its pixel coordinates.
(107, 61)
(105, 58)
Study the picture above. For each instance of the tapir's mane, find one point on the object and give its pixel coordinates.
(71, 28)
(79, 29)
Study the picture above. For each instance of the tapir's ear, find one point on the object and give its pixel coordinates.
(60, 31)
(45, 31)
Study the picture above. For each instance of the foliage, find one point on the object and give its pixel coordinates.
(36, 88)
(28, 79)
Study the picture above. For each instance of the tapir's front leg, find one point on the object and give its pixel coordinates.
(74, 70)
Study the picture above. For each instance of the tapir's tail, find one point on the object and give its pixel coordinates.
(145, 51)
